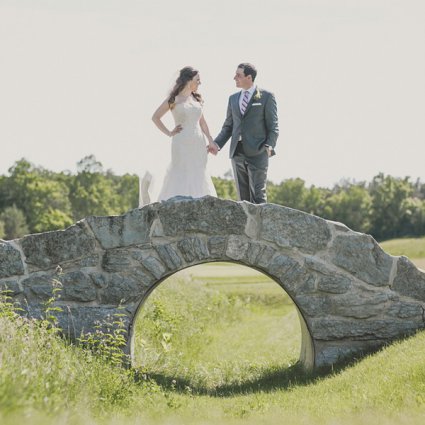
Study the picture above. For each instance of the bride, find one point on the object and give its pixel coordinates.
(187, 174)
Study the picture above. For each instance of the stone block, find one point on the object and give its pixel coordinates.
(236, 247)
(360, 255)
(314, 305)
(47, 250)
(193, 249)
(288, 273)
(10, 288)
(77, 286)
(123, 288)
(116, 260)
(361, 304)
(338, 284)
(154, 266)
(217, 246)
(124, 230)
(265, 257)
(39, 287)
(10, 261)
(253, 252)
(169, 256)
(207, 215)
(291, 228)
(407, 310)
(409, 280)
(334, 328)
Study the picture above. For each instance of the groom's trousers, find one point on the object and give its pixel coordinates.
(250, 174)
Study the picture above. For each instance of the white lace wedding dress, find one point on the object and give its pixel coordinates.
(187, 173)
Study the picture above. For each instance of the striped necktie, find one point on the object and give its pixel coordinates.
(244, 103)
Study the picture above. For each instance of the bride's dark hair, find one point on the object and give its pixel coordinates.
(186, 74)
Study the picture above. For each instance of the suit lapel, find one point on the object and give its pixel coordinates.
(236, 103)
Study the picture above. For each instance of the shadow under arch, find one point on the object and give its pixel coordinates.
(306, 354)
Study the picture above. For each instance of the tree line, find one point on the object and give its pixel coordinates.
(33, 199)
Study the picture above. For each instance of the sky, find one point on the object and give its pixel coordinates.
(83, 77)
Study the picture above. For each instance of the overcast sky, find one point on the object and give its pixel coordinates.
(81, 77)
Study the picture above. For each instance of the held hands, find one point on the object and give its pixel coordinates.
(177, 129)
(212, 148)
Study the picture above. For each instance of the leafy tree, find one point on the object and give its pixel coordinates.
(412, 222)
(36, 193)
(291, 193)
(14, 223)
(388, 206)
(127, 189)
(351, 205)
(225, 188)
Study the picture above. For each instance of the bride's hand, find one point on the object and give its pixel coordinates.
(177, 129)
(212, 148)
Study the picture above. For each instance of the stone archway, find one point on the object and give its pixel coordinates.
(304, 343)
(351, 296)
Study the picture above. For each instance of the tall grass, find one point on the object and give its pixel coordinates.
(217, 345)
(207, 339)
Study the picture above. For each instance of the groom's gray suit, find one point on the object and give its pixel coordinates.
(251, 134)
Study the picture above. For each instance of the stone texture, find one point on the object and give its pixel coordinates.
(123, 288)
(154, 266)
(253, 251)
(207, 215)
(360, 255)
(85, 319)
(338, 284)
(217, 246)
(409, 280)
(406, 309)
(291, 228)
(77, 286)
(193, 249)
(362, 304)
(236, 247)
(314, 305)
(10, 288)
(335, 328)
(351, 296)
(169, 256)
(10, 261)
(47, 250)
(39, 286)
(119, 231)
(115, 260)
(265, 257)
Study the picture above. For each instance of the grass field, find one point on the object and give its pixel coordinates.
(215, 344)
(414, 248)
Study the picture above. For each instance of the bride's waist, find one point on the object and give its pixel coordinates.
(187, 128)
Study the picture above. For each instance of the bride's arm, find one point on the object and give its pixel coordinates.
(158, 114)
(212, 147)
(205, 129)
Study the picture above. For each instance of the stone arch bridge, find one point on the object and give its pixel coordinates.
(351, 296)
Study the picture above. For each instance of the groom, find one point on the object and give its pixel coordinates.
(252, 124)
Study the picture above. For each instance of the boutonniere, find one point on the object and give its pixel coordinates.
(257, 95)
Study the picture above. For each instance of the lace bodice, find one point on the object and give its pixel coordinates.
(187, 114)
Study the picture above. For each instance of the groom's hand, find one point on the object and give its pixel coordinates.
(213, 148)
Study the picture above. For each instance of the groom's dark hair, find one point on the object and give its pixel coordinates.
(248, 69)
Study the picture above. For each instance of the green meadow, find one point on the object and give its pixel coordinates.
(214, 344)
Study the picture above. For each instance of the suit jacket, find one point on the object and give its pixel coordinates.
(257, 127)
